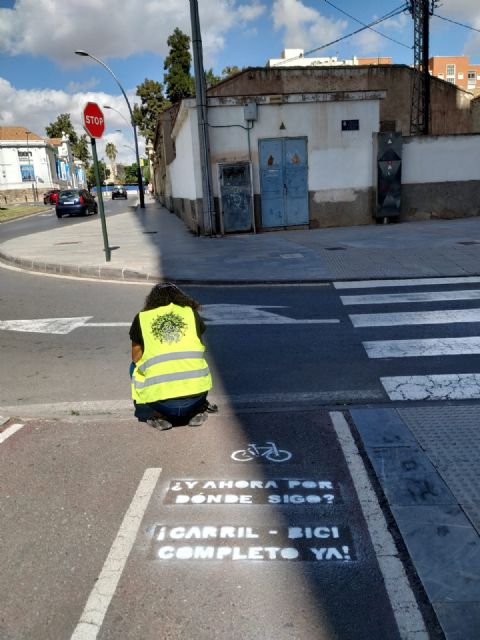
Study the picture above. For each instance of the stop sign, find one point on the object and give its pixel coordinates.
(93, 120)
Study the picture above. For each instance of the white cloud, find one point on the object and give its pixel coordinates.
(37, 109)
(305, 28)
(55, 28)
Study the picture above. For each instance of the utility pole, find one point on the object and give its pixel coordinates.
(421, 11)
(202, 116)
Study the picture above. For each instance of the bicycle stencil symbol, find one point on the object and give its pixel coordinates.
(270, 451)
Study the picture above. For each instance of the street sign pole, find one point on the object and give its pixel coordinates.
(100, 199)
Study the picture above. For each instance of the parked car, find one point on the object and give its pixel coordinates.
(51, 197)
(75, 202)
(119, 192)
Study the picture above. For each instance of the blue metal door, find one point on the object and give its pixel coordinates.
(283, 181)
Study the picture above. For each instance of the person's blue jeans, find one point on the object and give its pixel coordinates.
(170, 408)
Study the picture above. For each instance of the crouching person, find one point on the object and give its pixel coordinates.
(170, 376)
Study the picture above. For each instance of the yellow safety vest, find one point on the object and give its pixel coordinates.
(173, 363)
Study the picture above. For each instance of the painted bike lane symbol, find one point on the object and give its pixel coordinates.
(271, 452)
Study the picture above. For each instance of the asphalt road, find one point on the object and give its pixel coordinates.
(265, 344)
(48, 220)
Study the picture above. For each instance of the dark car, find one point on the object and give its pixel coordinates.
(119, 192)
(51, 197)
(78, 202)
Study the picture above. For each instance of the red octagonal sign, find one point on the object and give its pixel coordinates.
(93, 120)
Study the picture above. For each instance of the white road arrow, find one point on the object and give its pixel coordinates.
(214, 314)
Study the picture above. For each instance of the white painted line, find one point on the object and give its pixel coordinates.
(415, 317)
(424, 347)
(455, 386)
(9, 431)
(418, 296)
(407, 614)
(102, 593)
(406, 282)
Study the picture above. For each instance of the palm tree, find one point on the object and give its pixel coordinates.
(111, 151)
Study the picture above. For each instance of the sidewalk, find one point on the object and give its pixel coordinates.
(153, 244)
(429, 478)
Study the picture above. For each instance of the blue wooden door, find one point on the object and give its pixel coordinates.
(296, 181)
(283, 181)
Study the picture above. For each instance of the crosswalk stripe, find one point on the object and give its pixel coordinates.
(423, 347)
(406, 282)
(415, 317)
(418, 296)
(455, 386)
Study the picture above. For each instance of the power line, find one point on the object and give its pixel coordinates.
(391, 14)
(460, 24)
(366, 26)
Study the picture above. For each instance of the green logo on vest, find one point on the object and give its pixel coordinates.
(169, 328)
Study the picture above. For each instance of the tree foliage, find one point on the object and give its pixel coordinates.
(211, 78)
(131, 172)
(79, 145)
(228, 72)
(146, 116)
(63, 124)
(178, 81)
(111, 151)
(80, 150)
(102, 169)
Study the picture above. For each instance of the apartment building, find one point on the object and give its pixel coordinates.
(456, 70)
(297, 58)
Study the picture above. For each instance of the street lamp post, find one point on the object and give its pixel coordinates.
(132, 122)
(32, 165)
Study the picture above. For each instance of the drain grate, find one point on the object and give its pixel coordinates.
(73, 242)
(468, 242)
(150, 232)
(335, 248)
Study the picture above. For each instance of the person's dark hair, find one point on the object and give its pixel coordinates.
(166, 293)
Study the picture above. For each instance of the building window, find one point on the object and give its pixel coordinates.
(28, 174)
(460, 76)
(450, 73)
(24, 155)
(472, 77)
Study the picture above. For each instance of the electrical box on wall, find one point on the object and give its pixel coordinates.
(250, 111)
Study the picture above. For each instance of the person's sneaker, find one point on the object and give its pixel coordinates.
(159, 423)
(198, 420)
(211, 408)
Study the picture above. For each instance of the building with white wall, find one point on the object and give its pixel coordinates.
(297, 58)
(297, 148)
(31, 165)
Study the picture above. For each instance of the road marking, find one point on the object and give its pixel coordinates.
(214, 314)
(415, 317)
(418, 296)
(58, 326)
(102, 593)
(406, 282)
(455, 386)
(423, 347)
(407, 615)
(9, 431)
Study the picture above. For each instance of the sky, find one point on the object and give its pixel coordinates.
(41, 77)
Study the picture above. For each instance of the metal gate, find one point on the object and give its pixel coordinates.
(283, 181)
(236, 196)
